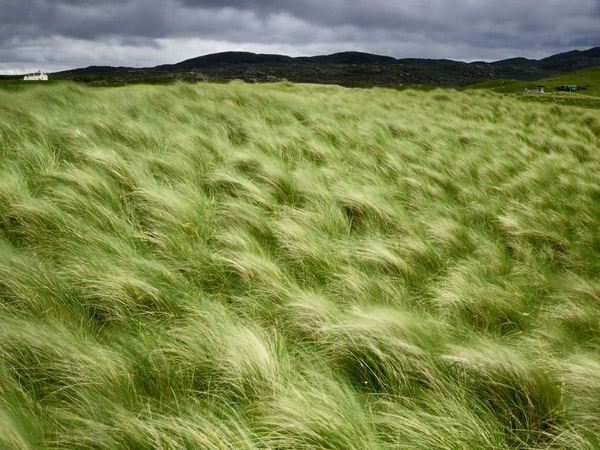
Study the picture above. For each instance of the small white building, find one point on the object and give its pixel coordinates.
(539, 90)
(36, 76)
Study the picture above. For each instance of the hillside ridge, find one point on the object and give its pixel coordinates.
(353, 69)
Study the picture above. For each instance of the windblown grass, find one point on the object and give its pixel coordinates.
(297, 267)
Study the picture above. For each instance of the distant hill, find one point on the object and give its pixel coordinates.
(346, 68)
(98, 69)
(348, 58)
(225, 58)
(574, 60)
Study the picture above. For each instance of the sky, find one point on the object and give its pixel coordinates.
(54, 35)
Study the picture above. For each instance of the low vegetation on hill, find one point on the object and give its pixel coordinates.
(297, 267)
(351, 69)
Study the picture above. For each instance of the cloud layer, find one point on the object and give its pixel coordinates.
(61, 34)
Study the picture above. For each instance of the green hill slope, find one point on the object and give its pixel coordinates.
(587, 78)
(297, 267)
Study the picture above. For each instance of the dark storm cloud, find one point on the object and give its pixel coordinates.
(463, 29)
(424, 15)
(82, 19)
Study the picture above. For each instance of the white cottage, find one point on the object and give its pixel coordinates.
(539, 90)
(36, 76)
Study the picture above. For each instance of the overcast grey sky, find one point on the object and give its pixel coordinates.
(61, 34)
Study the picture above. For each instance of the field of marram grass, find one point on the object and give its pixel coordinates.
(297, 267)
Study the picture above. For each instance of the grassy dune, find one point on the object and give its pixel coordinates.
(297, 267)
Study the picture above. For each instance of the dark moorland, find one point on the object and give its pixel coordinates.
(352, 69)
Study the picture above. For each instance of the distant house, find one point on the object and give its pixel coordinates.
(539, 90)
(36, 76)
(568, 87)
